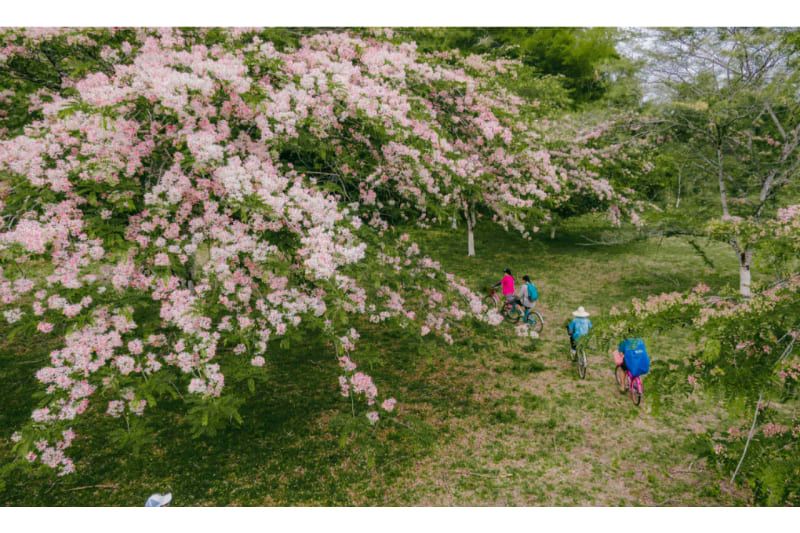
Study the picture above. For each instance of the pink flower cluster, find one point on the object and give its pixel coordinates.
(232, 246)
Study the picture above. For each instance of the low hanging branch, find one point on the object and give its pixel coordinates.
(783, 356)
(749, 437)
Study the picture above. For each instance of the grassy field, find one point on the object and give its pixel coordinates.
(491, 420)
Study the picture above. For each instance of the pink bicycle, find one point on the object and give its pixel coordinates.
(627, 383)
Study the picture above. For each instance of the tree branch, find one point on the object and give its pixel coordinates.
(749, 437)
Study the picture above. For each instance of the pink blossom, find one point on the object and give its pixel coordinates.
(161, 259)
(115, 408)
(13, 315)
(135, 346)
(388, 405)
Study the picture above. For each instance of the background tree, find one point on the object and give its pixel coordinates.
(745, 360)
(585, 61)
(730, 103)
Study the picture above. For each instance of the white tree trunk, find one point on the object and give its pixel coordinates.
(454, 222)
(552, 232)
(469, 216)
(470, 239)
(745, 260)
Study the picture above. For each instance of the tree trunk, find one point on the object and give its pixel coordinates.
(745, 261)
(470, 239)
(454, 222)
(469, 215)
(723, 192)
(552, 232)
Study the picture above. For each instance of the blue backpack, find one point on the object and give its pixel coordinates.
(636, 358)
(533, 293)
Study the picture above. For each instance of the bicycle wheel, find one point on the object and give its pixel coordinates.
(582, 363)
(536, 321)
(619, 375)
(513, 314)
(636, 391)
(490, 302)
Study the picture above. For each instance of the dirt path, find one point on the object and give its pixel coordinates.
(537, 434)
(548, 438)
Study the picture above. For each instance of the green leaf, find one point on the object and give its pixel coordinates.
(712, 350)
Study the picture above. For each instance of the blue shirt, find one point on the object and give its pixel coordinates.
(578, 327)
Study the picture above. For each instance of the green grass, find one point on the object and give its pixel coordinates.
(491, 420)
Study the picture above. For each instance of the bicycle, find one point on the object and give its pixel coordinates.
(627, 383)
(579, 357)
(509, 311)
(535, 318)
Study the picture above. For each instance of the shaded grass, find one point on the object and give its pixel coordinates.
(491, 420)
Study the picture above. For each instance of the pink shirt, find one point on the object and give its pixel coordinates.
(508, 285)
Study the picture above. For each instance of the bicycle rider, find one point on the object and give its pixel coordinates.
(507, 284)
(529, 296)
(579, 326)
(632, 351)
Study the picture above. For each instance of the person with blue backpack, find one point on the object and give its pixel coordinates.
(578, 327)
(634, 357)
(529, 294)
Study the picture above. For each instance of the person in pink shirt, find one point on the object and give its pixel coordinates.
(507, 284)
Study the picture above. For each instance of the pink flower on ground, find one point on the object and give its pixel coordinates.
(258, 361)
(45, 327)
(373, 417)
(388, 405)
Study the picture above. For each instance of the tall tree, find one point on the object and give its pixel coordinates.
(731, 99)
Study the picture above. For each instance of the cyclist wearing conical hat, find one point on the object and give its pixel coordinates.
(579, 326)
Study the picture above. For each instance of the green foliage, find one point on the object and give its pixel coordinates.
(583, 61)
(207, 416)
(134, 438)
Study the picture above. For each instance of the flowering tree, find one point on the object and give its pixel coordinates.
(745, 356)
(602, 160)
(184, 200)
